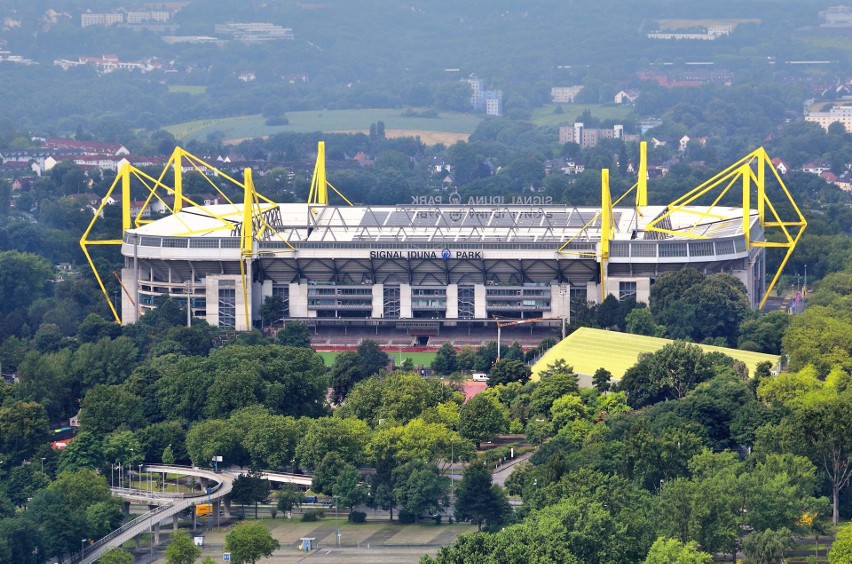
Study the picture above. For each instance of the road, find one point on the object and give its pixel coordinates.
(500, 474)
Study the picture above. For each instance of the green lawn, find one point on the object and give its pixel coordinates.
(242, 127)
(418, 358)
(546, 116)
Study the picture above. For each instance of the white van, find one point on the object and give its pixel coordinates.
(480, 377)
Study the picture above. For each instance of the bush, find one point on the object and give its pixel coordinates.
(313, 515)
(406, 517)
(357, 517)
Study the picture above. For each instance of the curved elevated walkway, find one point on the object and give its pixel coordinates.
(169, 505)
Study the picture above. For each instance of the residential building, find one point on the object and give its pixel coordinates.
(836, 114)
(89, 19)
(564, 94)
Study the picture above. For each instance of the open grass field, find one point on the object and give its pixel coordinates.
(252, 126)
(834, 41)
(194, 90)
(546, 116)
(418, 358)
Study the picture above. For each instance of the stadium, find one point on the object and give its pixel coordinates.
(424, 267)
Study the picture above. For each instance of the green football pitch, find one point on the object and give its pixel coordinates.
(418, 358)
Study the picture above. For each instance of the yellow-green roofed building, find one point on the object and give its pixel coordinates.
(588, 349)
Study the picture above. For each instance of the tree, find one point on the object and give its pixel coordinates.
(671, 372)
(482, 419)
(326, 473)
(214, 438)
(23, 276)
(505, 371)
(249, 541)
(346, 371)
(121, 556)
(294, 334)
(767, 547)
(672, 551)
(398, 397)
(346, 437)
(122, 447)
(823, 424)
(272, 311)
(670, 287)
(419, 487)
(290, 496)
(250, 488)
(371, 357)
(348, 491)
(20, 541)
(103, 517)
(445, 360)
(601, 380)
(486, 356)
(168, 456)
(83, 452)
(556, 380)
(640, 322)
(465, 358)
(106, 408)
(271, 441)
(478, 499)
(181, 549)
(23, 427)
(841, 551)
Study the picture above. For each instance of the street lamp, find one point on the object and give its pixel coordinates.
(452, 469)
(82, 548)
(42, 464)
(140, 475)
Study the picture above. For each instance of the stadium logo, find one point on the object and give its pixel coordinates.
(445, 253)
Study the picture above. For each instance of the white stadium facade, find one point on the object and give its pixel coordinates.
(425, 267)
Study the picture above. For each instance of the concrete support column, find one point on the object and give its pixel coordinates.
(452, 311)
(157, 532)
(175, 522)
(593, 292)
(643, 290)
(378, 300)
(228, 507)
(127, 311)
(479, 301)
(405, 301)
(298, 300)
(125, 507)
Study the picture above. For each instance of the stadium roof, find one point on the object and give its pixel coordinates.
(548, 223)
(588, 349)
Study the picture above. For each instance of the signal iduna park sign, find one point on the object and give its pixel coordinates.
(445, 254)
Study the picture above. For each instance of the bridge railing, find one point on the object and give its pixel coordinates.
(129, 525)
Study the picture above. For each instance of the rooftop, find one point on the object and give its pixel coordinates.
(447, 223)
(588, 349)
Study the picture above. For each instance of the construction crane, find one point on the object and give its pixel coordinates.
(501, 324)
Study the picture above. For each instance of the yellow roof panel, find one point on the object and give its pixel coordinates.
(588, 349)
